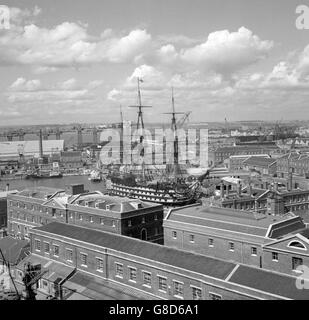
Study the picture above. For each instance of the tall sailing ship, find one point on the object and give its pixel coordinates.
(138, 181)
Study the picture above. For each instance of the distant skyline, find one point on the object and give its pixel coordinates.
(77, 61)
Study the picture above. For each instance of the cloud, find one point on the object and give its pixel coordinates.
(33, 91)
(223, 52)
(68, 45)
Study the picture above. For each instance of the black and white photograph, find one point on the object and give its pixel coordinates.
(154, 153)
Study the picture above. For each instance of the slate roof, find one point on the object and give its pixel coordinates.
(224, 219)
(13, 249)
(39, 192)
(259, 161)
(186, 260)
(282, 285)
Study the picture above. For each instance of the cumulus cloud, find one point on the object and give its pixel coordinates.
(223, 51)
(30, 91)
(66, 45)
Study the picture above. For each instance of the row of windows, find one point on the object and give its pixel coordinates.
(178, 287)
(231, 245)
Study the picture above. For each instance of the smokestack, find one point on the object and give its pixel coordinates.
(291, 180)
(238, 188)
(222, 189)
(256, 205)
(41, 144)
(7, 187)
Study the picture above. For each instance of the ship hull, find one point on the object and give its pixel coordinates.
(166, 198)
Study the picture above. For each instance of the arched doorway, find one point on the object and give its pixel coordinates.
(144, 234)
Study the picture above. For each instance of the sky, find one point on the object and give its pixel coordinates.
(75, 61)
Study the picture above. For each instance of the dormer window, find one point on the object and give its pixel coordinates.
(297, 244)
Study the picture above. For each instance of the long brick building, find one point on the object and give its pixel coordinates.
(91, 264)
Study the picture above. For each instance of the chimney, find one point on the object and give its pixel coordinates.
(238, 188)
(256, 205)
(41, 144)
(276, 186)
(221, 189)
(250, 189)
(291, 180)
(7, 187)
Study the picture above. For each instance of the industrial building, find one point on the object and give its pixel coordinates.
(15, 150)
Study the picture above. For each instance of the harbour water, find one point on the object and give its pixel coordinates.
(20, 184)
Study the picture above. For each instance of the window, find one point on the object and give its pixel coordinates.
(91, 219)
(211, 242)
(147, 279)
(100, 264)
(113, 223)
(83, 259)
(174, 234)
(56, 250)
(101, 221)
(119, 270)
(274, 256)
(191, 237)
(37, 245)
(46, 247)
(129, 223)
(253, 251)
(156, 217)
(143, 220)
(296, 262)
(162, 284)
(80, 217)
(178, 289)
(69, 255)
(132, 274)
(231, 246)
(196, 293)
(213, 296)
(296, 244)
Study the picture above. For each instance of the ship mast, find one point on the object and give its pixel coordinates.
(174, 129)
(140, 122)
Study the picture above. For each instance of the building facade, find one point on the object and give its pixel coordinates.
(144, 269)
(40, 206)
(261, 241)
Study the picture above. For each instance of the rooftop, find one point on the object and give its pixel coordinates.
(241, 223)
(12, 249)
(259, 161)
(39, 192)
(189, 261)
(111, 203)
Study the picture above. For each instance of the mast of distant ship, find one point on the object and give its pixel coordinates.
(140, 121)
(174, 129)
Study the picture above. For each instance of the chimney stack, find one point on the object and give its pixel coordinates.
(222, 189)
(238, 188)
(250, 189)
(7, 187)
(41, 144)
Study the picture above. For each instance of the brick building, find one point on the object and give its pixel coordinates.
(268, 198)
(265, 166)
(222, 153)
(91, 262)
(3, 210)
(297, 163)
(71, 159)
(39, 206)
(274, 243)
